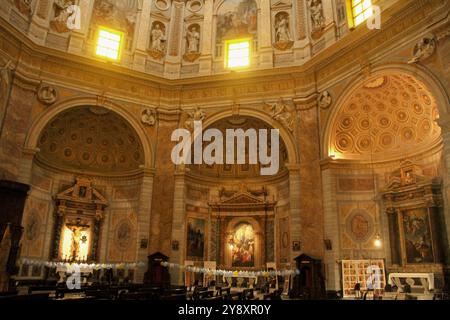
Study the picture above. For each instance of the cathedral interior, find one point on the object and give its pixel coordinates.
(92, 203)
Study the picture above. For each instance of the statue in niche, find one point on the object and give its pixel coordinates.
(423, 49)
(192, 43)
(148, 117)
(157, 40)
(317, 18)
(193, 39)
(283, 39)
(67, 16)
(196, 115)
(281, 112)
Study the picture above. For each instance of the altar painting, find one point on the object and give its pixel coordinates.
(417, 236)
(75, 246)
(243, 246)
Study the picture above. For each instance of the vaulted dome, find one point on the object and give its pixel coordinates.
(388, 116)
(90, 139)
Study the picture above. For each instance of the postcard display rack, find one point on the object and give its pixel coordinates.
(361, 271)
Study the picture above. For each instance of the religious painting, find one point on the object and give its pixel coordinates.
(417, 235)
(237, 18)
(195, 244)
(123, 235)
(117, 14)
(284, 240)
(243, 246)
(75, 242)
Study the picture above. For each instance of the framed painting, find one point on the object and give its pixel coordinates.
(243, 246)
(195, 238)
(417, 236)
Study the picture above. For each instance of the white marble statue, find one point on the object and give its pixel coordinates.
(158, 38)
(193, 40)
(316, 10)
(282, 29)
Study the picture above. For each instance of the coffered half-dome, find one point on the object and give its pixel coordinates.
(389, 116)
(90, 139)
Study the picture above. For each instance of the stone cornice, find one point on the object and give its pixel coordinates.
(367, 164)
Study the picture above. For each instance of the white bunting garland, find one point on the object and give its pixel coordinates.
(95, 266)
(231, 273)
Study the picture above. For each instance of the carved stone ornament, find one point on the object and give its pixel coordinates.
(324, 100)
(283, 45)
(24, 6)
(156, 54)
(283, 38)
(67, 16)
(424, 49)
(148, 117)
(196, 115)
(317, 18)
(191, 56)
(47, 94)
(282, 112)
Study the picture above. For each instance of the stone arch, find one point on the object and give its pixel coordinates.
(419, 74)
(285, 135)
(40, 123)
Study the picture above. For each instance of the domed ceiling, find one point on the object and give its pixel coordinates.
(389, 116)
(90, 139)
(239, 170)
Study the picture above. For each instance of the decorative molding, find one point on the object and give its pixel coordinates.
(424, 49)
(47, 94)
(324, 100)
(148, 117)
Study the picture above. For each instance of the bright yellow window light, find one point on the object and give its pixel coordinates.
(237, 54)
(109, 43)
(358, 11)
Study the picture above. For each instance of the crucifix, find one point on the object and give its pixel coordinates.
(77, 237)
